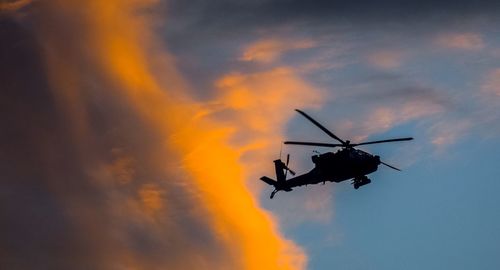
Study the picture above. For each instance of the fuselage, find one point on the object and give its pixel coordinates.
(342, 165)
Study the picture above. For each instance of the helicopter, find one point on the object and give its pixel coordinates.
(345, 164)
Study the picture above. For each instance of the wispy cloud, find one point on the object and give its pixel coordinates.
(491, 83)
(384, 103)
(386, 59)
(461, 41)
(383, 118)
(446, 133)
(10, 6)
(270, 50)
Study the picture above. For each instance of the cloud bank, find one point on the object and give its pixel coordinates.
(110, 164)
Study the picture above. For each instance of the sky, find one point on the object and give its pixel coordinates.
(134, 133)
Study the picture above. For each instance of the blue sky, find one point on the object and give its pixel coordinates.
(438, 213)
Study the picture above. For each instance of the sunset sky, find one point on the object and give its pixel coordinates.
(134, 132)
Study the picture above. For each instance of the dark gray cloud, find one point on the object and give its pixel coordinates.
(210, 36)
(232, 17)
(33, 222)
(382, 87)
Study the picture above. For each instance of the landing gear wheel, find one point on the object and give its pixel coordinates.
(360, 181)
(273, 193)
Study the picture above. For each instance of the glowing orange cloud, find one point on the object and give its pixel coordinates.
(115, 48)
(260, 104)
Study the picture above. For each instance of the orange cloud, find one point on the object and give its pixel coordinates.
(266, 99)
(111, 68)
(122, 168)
(270, 50)
(386, 59)
(462, 41)
(260, 104)
(151, 198)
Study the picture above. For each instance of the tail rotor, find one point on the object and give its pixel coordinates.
(286, 168)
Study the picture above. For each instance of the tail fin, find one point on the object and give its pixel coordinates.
(280, 175)
(280, 172)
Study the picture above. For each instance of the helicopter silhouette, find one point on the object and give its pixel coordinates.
(347, 163)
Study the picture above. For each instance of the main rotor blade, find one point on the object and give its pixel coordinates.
(314, 144)
(383, 141)
(392, 167)
(381, 162)
(320, 126)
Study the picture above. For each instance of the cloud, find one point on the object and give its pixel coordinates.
(446, 133)
(383, 118)
(260, 104)
(11, 6)
(495, 52)
(120, 167)
(386, 101)
(386, 59)
(491, 84)
(312, 204)
(233, 18)
(461, 41)
(269, 50)
(129, 170)
(258, 96)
